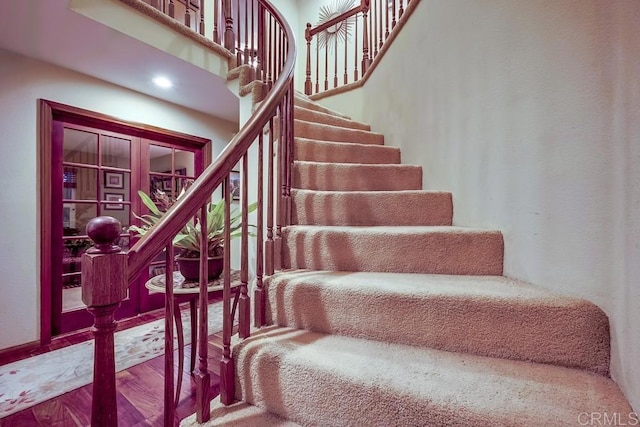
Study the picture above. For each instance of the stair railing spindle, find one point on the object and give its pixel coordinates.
(365, 39)
(229, 36)
(227, 380)
(401, 9)
(317, 65)
(247, 55)
(355, 50)
(238, 35)
(259, 315)
(346, 46)
(269, 246)
(393, 14)
(386, 14)
(216, 8)
(307, 81)
(335, 63)
(169, 316)
(171, 10)
(201, 374)
(245, 306)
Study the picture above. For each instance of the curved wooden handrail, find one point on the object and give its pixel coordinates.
(349, 13)
(200, 192)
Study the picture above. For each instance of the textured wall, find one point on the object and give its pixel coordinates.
(22, 82)
(528, 111)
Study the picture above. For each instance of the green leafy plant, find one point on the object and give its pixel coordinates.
(188, 239)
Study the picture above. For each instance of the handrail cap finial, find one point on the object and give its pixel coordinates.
(104, 231)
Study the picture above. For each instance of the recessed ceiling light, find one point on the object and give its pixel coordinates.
(163, 82)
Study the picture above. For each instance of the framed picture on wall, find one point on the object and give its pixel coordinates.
(114, 180)
(114, 197)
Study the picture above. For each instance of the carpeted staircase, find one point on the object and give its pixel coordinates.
(391, 316)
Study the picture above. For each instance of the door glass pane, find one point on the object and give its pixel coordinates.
(80, 146)
(115, 152)
(159, 159)
(77, 215)
(185, 161)
(79, 183)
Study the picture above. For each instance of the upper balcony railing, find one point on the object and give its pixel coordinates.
(343, 46)
(257, 35)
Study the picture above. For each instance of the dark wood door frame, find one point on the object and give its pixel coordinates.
(50, 111)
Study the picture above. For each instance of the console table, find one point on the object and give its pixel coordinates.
(188, 291)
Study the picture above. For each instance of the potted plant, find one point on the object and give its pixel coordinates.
(188, 239)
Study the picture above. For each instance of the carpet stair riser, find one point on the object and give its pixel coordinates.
(371, 208)
(356, 177)
(329, 380)
(319, 151)
(308, 115)
(323, 132)
(303, 102)
(439, 250)
(496, 317)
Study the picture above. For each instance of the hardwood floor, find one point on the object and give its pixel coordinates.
(140, 388)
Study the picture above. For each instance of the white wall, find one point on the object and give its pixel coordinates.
(22, 82)
(529, 112)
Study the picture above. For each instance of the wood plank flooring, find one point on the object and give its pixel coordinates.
(140, 390)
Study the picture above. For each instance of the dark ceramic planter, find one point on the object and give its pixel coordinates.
(190, 267)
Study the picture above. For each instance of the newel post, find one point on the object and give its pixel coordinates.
(104, 286)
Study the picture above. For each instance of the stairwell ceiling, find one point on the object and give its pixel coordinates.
(47, 30)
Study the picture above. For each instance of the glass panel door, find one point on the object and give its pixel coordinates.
(95, 180)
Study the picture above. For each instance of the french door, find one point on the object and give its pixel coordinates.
(96, 172)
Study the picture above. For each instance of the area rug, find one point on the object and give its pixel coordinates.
(28, 382)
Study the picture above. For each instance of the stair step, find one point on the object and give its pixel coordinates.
(303, 101)
(311, 207)
(312, 130)
(405, 249)
(330, 380)
(484, 315)
(344, 152)
(302, 113)
(357, 177)
(238, 414)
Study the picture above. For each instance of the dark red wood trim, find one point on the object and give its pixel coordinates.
(91, 118)
(44, 178)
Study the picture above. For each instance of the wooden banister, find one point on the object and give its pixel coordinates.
(107, 270)
(333, 21)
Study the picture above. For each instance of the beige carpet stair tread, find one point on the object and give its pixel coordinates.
(305, 129)
(331, 380)
(302, 113)
(401, 249)
(344, 152)
(357, 177)
(240, 414)
(371, 207)
(302, 101)
(485, 315)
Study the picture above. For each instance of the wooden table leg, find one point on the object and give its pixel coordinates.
(194, 332)
(180, 332)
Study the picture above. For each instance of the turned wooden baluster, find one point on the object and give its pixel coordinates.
(260, 72)
(374, 24)
(386, 22)
(270, 244)
(307, 82)
(201, 373)
(238, 35)
(216, 8)
(401, 9)
(355, 49)
(227, 383)
(326, 66)
(171, 10)
(229, 36)
(335, 63)
(317, 65)
(365, 39)
(201, 28)
(380, 10)
(244, 321)
(346, 45)
(247, 53)
(170, 397)
(104, 286)
(393, 14)
(291, 151)
(259, 317)
(187, 15)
